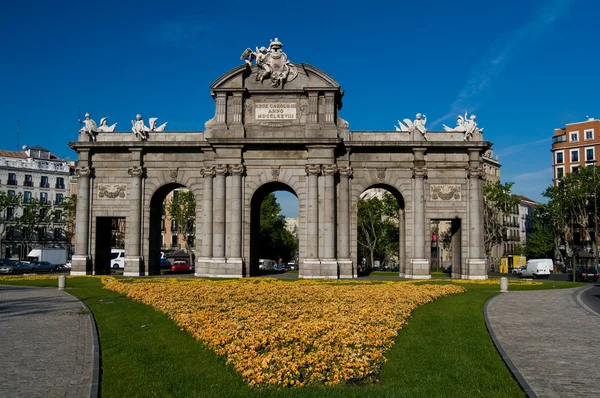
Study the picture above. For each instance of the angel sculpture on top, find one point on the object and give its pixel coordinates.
(271, 63)
(140, 130)
(417, 125)
(465, 125)
(89, 127)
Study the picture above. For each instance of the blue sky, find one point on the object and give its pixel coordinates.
(524, 67)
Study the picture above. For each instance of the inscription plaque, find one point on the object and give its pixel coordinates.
(275, 110)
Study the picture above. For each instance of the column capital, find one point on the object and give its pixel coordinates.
(419, 172)
(236, 169)
(136, 171)
(329, 169)
(346, 172)
(221, 169)
(475, 172)
(84, 171)
(313, 169)
(208, 171)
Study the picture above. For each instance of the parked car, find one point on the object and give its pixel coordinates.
(448, 270)
(68, 264)
(584, 274)
(165, 264)
(43, 266)
(537, 268)
(180, 266)
(518, 270)
(15, 268)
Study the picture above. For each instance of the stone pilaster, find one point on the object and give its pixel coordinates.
(312, 221)
(402, 243)
(419, 263)
(329, 267)
(344, 260)
(475, 264)
(203, 263)
(236, 172)
(219, 213)
(236, 102)
(81, 262)
(313, 107)
(221, 114)
(329, 108)
(133, 259)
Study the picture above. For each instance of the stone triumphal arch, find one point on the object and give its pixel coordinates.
(277, 124)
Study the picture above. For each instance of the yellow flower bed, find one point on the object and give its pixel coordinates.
(496, 282)
(289, 334)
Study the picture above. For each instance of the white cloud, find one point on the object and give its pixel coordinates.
(500, 54)
(517, 148)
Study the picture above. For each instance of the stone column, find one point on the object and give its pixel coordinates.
(219, 214)
(476, 267)
(81, 263)
(236, 172)
(203, 268)
(419, 262)
(344, 260)
(133, 227)
(311, 266)
(313, 107)
(329, 267)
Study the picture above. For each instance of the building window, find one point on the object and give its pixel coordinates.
(41, 232)
(574, 169)
(10, 233)
(59, 198)
(574, 136)
(560, 155)
(12, 179)
(173, 225)
(162, 224)
(559, 138)
(10, 213)
(44, 197)
(10, 192)
(574, 155)
(44, 182)
(60, 183)
(26, 197)
(28, 180)
(174, 240)
(589, 134)
(57, 216)
(57, 234)
(589, 154)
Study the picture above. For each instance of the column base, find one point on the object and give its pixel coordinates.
(220, 267)
(315, 268)
(81, 265)
(134, 266)
(476, 269)
(419, 268)
(347, 271)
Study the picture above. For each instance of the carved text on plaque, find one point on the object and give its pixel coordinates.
(275, 110)
(445, 192)
(112, 191)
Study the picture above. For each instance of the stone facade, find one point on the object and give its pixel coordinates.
(291, 137)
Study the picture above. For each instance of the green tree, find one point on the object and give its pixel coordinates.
(68, 209)
(36, 215)
(275, 239)
(378, 234)
(498, 201)
(182, 210)
(541, 241)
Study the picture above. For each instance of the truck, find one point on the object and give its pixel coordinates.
(54, 255)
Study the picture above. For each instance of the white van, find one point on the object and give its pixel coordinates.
(266, 264)
(537, 268)
(117, 258)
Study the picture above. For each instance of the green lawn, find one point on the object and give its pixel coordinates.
(444, 350)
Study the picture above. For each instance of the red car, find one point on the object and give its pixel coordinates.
(180, 266)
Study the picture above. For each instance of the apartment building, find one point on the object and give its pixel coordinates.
(574, 146)
(33, 173)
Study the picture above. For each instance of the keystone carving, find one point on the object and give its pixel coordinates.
(275, 173)
(111, 191)
(445, 192)
(381, 174)
(173, 174)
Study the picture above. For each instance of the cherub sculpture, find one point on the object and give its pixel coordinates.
(89, 127)
(413, 126)
(105, 127)
(466, 125)
(139, 129)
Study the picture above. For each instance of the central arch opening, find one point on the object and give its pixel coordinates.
(172, 230)
(274, 240)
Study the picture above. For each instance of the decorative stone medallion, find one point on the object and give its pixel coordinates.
(112, 191)
(445, 192)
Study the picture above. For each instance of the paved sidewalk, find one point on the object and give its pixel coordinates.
(550, 339)
(48, 344)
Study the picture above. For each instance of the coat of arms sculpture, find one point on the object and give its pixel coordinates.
(271, 63)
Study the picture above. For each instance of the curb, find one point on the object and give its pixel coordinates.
(511, 366)
(95, 387)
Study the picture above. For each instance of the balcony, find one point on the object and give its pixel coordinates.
(11, 182)
(559, 138)
(44, 185)
(28, 183)
(59, 186)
